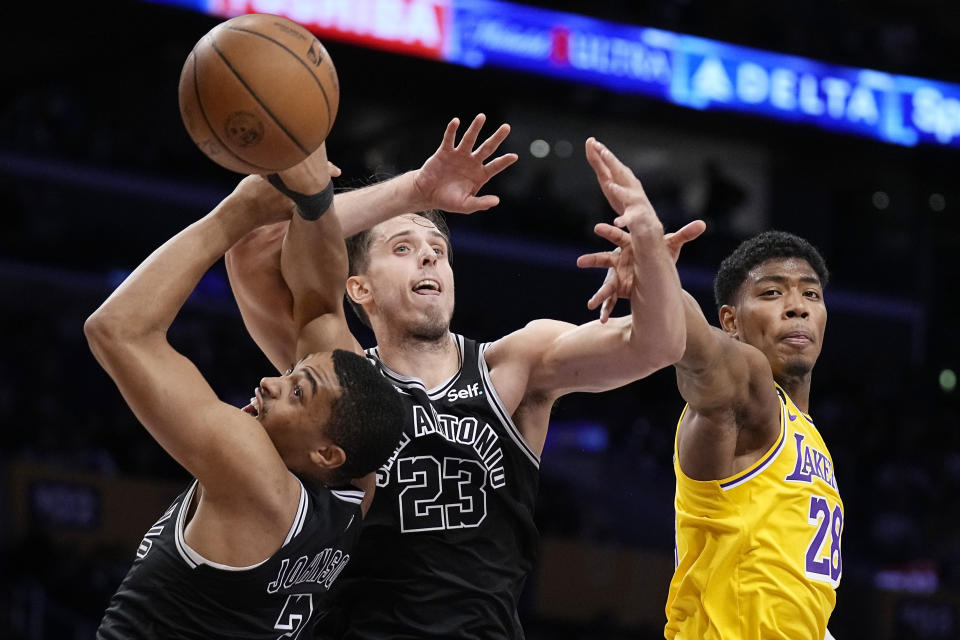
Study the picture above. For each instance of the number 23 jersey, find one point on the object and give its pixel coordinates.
(449, 539)
(758, 553)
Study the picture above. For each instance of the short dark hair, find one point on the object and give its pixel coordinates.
(769, 245)
(358, 252)
(366, 419)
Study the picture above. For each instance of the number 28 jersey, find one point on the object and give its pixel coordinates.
(758, 554)
(449, 539)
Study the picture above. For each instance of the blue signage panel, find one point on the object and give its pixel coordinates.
(564, 45)
(685, 70)
(704, 74)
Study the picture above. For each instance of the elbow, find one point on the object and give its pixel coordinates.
(102, 328)
(98, 331)
(107, 332)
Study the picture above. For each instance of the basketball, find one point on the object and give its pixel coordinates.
(258, 93)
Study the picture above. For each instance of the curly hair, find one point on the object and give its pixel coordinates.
(358, 252)
(367, 418)
(769, 245)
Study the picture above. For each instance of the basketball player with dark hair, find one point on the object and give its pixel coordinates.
(450, 538)
(253, 546)
(759, 518)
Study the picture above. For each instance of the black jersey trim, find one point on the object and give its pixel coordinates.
(194, 559)
(493, 399)
(401, 380)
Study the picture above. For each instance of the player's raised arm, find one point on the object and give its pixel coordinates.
(598, 356)
(726, 383)
(547, 358)
(263, 296)
(264, 299)
(733, 406)
(450, 180)
(220, 445)
(313, 260)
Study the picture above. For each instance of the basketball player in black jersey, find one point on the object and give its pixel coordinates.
(450, 537)
(253, 546)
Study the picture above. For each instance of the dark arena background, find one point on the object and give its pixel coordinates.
(96, 170)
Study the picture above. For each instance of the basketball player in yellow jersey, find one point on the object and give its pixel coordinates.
(759, 518)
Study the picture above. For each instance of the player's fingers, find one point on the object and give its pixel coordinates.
(606, 290)
(621, 173)
(333, 169)
(450, 134)
(612, 162)
(606, 309)
(596, 163)
(611, 233)
(621, 197)
(689, 231)
(497, 165)
(685, 234)
(490, 144)
(480, 203)
(634, 213)
(600, 259)
(470, 135)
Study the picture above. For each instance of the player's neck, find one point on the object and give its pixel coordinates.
(798, 388)
(432, 361)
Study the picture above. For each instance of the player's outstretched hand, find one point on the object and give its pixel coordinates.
(450, 179)
(618, 262)
(618, 183)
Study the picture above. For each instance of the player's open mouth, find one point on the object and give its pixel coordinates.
(255, 403)
(428, 287)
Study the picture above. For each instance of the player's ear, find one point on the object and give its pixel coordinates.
(328, 456)
(728, 321)
(358, 289)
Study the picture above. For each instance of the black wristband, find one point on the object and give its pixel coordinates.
(310, 207)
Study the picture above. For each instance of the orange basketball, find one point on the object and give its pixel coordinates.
(258, 93)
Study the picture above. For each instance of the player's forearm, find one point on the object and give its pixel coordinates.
(702, 346)
(364, 208)
(658, 330)
(261, 293)
(313, 262)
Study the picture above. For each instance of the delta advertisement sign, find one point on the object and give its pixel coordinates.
(681, 69)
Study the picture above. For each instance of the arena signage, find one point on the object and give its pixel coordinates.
(681, 69)
(412, 27)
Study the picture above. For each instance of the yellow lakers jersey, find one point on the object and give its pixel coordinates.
(758, 553)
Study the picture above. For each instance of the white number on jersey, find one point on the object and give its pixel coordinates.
(435, 496)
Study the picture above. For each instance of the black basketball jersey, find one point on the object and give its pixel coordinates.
(449, 540)
(173, 592)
